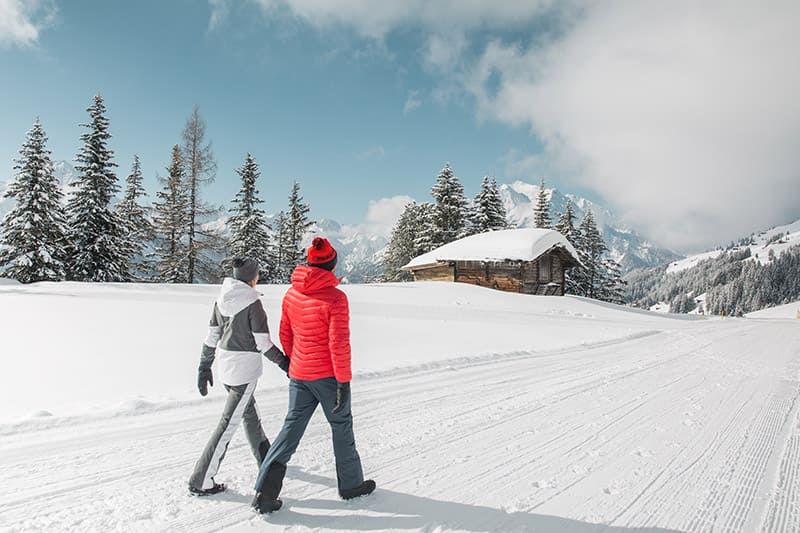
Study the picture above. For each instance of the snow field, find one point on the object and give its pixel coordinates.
(597, 419)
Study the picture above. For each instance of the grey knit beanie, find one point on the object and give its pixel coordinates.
(245, 269)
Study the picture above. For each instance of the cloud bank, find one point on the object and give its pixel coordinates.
(683, 115)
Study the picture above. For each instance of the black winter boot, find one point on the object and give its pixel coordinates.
(362, 490)
(263, 505)
(263, 450)
(266, 501)
(216, 489)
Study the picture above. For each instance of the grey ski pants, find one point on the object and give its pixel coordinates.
(240, 405)
(304, 396)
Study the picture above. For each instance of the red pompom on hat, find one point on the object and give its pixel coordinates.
(321, 253)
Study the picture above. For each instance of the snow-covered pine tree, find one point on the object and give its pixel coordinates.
(97, 234)
(139, 229)
(402, 246)
(280, 226)
(170, 219)
(450, 215)
(249, 229)
(498, 216)
(613, 286)
(33, 235)
(541, 211)
(204, 243)
(425, 228)
(297, 224)
(591, 249)
(489, 212)
(566, 224)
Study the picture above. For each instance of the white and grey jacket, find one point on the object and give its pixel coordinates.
(238, 334)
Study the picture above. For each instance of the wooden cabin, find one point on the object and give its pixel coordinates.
(529, 261)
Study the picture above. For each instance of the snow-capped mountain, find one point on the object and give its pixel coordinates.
(360, 253)
(627, 247)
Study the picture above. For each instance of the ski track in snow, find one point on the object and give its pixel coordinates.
(696, 428)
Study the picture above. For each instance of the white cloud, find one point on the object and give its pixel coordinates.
(21, 21)
(383, 214)
(683, 115)
(412, 102)
(219, 12)
(375, 19)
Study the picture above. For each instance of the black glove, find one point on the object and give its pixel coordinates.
(342, 396)
(284, 364)
(275, 355)
(204, 378)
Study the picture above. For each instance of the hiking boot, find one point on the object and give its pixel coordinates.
(362, 490)
(216, 489)
(262, 504)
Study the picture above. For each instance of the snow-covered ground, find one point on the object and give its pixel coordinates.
(475, 410)
(791, 310)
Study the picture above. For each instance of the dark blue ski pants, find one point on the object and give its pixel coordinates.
(304, 396)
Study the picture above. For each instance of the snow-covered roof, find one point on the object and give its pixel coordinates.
(504, 245)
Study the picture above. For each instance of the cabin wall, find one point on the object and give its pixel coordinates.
(437, 273)
(544, 277)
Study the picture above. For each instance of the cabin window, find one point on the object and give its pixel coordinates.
(544, 268)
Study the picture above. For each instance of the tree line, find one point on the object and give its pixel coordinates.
(89, 237)
(734, 283)
(425, 226)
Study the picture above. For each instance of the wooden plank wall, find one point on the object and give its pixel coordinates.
(437, 273)
(509, 276)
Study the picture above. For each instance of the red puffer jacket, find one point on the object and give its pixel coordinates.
(315, 326)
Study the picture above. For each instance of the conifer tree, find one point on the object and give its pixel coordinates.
(97, 234)
(489, 211)
(204, 243)
(249, 229)
(613, 286)
(33, 240)
(297, 224)
(171, 216)
(566, 224)
(541, 211)
(403, 245)
(280, 227)
(425, 228)
(139, 229)
(449, 216)
(591, 249)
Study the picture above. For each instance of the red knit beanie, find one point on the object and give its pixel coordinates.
(321, 252)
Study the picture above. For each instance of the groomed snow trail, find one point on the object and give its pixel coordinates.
(695, 428)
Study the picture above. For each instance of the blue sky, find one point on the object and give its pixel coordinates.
(328, 110)
(683, 120)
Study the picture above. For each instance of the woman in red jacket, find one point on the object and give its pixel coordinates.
(315, 334)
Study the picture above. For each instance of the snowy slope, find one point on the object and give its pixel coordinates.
(776, 240)
(628, 247)
(788, 311)
(507, 413)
